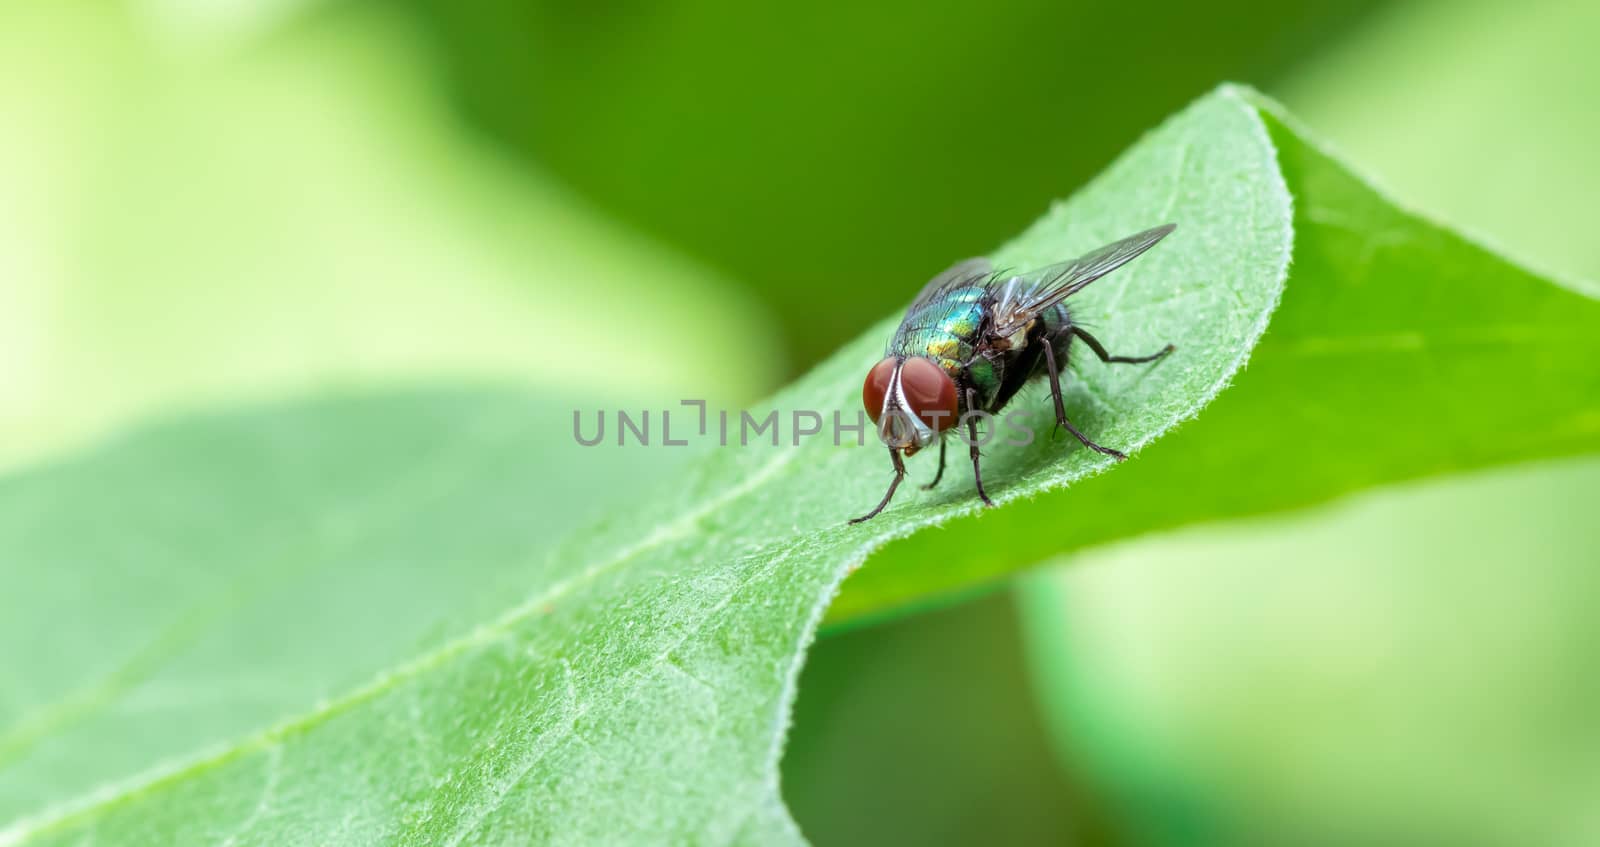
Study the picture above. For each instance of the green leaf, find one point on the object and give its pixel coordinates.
(637, 687)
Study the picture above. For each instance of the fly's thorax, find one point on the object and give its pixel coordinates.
(945, 327)
(933, 342)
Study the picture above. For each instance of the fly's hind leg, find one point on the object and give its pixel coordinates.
(1100, 350)
(1055, 388)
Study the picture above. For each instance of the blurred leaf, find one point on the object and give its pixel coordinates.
(186, 228)
(639, 690)
(1400, 350)
(925, 730)
(1415, 667)
(1533, 178)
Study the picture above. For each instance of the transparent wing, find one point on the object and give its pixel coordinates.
(1021, 298)
(964, 272)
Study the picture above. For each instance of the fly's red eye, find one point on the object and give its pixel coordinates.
(877, 387)
(929, 392)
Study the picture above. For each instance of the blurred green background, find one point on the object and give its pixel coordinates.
(537, 192)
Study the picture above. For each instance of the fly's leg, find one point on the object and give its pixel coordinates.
(1061, 409)
(1055, 386)
(899, 474)
(972, 443)
(940, 475)
(1099, 350)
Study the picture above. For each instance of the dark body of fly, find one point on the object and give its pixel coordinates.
(972, 339)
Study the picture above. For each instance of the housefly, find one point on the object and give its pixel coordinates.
(972, 339)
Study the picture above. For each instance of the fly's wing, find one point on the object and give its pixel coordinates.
(965, 272)
(1021, 298)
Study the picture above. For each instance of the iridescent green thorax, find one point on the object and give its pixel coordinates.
(945, 330)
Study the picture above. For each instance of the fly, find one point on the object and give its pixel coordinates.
(972, 339)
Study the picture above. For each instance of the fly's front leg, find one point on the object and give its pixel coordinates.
(899, 474)
(940, 475)
(1061, 408)
(972, 443)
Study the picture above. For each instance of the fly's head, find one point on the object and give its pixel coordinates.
(911, 399)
